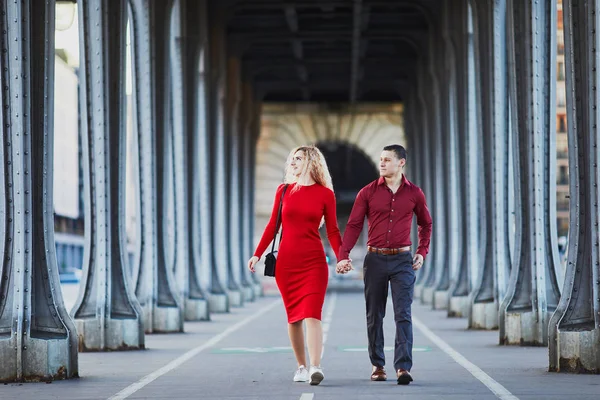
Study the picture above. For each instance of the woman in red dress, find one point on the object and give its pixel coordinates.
(302, 271)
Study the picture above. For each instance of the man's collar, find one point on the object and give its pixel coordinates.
(404, 181)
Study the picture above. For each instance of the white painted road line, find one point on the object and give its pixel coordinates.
(131, 389)
(500, 391)
(307, 396)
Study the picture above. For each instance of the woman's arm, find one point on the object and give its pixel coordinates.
(269, 232)
(333, 232)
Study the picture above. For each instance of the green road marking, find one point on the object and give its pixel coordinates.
(386, 348)
(252, 350)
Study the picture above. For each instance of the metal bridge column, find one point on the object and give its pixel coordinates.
(38, 339)
(533, 290)
(492, 75)
(574, 328)
(202, 205)
(438, 262)
(220, 299)
(459, 281)
(155, 286)
(107, 313)
(448, 151)
(254, 126)
(234, 98)
(246, 192)
(184, 58)
(428, 125)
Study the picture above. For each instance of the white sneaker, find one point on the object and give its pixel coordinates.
(301, 374)
(316, 375)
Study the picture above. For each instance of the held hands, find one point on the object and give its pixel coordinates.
(252, 262)
(344, 266)
(417, 262)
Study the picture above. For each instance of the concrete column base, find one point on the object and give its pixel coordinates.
(458, 307)
(418, 292)
(119, 334)
(258, 290)
(248, 293)
(43, 360)
(427, 295)
(484, 316)
(440, 299)
(579, 352)
(196, 310)
(167, 320)
(218, 303)
(522, 329)
(235, 298)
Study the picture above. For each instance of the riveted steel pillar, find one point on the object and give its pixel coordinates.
(184, 57)
(490, 24)
(38, 340)
(574, 328)
(234, 98)
(202, 204)
(459, 280)
(155, 286)
(255, 134)
(246, 148)
(414, 132)
(428, 143)
(220, 300)
(411, 145)
(107, 313)
(448, 144)
(436, 103)
(533, 291)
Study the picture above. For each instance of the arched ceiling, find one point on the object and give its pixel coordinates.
(326, 50)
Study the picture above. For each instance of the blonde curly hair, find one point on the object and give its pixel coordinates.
(314, 166)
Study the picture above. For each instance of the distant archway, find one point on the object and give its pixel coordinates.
(351, 169)
(355, 134)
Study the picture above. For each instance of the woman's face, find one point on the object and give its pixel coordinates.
(297, 163)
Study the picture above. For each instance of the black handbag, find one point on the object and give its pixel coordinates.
(271, 258)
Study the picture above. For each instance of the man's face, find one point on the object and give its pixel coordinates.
(389, 164)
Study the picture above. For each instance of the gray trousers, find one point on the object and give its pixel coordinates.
(379, 272)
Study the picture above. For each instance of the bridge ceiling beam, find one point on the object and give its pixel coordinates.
(492, 76)
(575, 326)
(31, 304)
(533, 291)
(292, 20)
(298, 34)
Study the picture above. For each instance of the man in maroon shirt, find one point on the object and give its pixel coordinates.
(389, 204)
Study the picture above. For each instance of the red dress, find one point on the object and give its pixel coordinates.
(302, 271)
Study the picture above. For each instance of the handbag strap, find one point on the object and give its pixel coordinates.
(278, 219)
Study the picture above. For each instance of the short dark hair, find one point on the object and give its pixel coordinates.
(396, 148)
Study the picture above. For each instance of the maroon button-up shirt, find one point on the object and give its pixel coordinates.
(389, 217)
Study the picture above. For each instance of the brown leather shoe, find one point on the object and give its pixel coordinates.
(378, 374)
(404, 377)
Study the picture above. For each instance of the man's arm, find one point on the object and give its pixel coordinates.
(354, 225)
(424, 223)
